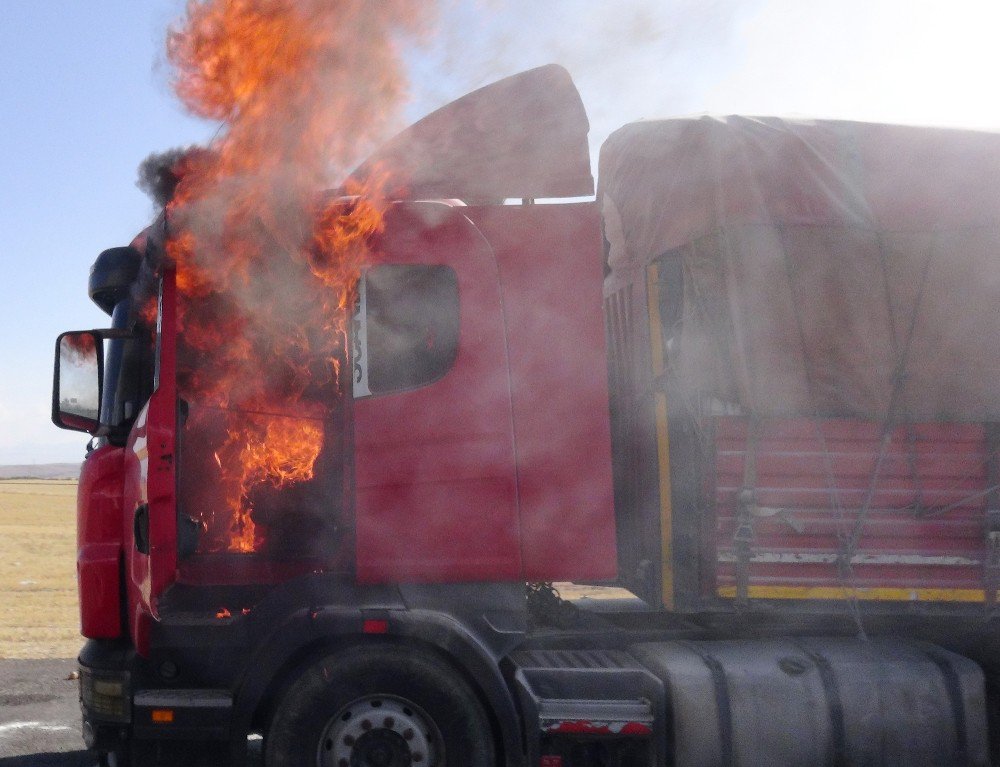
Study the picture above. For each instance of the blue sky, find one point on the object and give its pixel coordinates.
(84, 97)
(82, 102)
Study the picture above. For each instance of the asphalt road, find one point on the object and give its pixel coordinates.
(40, 715)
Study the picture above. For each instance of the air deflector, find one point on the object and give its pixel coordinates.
(524, 136)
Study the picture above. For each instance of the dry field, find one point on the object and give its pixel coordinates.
(574, 591)
(38, 612)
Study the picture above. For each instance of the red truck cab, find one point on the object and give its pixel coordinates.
(490, 426)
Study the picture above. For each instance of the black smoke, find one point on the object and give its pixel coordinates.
(160, 173)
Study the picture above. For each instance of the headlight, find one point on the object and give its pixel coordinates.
(105, 694)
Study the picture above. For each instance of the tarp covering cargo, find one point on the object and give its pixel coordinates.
(829, 268)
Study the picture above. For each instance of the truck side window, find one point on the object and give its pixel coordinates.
(411, 325)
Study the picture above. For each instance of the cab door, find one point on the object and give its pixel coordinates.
(435, 479)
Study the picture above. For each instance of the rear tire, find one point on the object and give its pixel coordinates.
(379, 705)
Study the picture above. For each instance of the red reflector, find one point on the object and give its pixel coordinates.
(375, 627)
(605, 728)
(551, 761)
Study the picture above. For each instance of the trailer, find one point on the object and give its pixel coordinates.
(751, 386)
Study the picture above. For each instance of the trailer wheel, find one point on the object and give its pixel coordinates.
(379, 707)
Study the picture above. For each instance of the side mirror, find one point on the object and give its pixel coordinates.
(78, 381)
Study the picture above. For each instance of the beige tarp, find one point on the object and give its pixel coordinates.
(829, 268)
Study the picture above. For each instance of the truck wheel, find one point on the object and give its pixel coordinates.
(379, 707)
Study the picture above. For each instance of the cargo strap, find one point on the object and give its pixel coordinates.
(918, 488)
(746, 503)
(991, 562)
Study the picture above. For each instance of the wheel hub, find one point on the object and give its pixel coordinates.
(381, 748)
(379, 731)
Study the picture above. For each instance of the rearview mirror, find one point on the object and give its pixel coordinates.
(78, 381)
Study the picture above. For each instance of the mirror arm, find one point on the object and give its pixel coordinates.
(113, 333)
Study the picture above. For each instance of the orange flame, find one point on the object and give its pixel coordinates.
(305, 88)
(283, 451)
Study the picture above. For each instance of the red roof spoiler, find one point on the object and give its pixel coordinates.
(524, 136)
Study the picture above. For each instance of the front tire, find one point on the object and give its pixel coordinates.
(379, 706)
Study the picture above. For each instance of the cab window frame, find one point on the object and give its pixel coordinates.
(408, 306)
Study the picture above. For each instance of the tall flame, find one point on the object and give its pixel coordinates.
(265, 270)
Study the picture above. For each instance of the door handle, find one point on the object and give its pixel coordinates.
(140, 528)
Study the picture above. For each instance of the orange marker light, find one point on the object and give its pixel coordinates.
(162, 715)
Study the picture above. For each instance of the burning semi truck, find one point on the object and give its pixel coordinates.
(754, 383)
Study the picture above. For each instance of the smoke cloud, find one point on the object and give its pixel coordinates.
(630, 59)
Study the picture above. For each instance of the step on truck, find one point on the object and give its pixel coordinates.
(753, 384)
